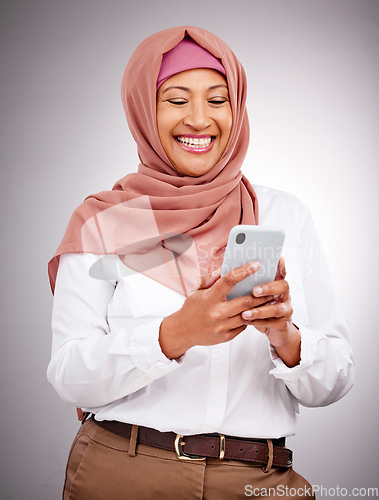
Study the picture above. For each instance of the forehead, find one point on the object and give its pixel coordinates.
(195, 78)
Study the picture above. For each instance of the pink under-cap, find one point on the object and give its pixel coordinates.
(187, 55)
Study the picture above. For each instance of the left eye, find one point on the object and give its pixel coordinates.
(217, 101)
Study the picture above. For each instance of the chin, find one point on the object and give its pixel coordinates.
(194, 171)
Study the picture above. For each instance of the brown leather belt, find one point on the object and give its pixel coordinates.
(202, 446)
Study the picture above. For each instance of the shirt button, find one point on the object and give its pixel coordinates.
(160, 364)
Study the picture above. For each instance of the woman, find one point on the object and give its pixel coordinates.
(189, 395)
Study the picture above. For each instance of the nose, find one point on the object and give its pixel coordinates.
(198, 117)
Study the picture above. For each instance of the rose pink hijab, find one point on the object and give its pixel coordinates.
(170, 227)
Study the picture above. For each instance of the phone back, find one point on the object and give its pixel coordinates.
(248, 243)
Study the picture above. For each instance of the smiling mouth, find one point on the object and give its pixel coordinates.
(195, 144)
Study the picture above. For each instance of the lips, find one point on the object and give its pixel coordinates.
(195, 143)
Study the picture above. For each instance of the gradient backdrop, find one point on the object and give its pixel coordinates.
(312, 69)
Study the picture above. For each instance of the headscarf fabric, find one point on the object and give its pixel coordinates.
(187, 55)
(170, 227)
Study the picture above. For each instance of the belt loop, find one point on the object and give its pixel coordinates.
(133, 441)
(270, 456)
(85, 416)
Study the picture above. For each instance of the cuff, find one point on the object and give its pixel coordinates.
(146, 351)
(308, 351)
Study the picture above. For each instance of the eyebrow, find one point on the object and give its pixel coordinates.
(186, 89)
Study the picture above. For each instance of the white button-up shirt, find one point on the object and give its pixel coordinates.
(106, 357)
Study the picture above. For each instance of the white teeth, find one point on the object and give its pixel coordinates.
(193, 142)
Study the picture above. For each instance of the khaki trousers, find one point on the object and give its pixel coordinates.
(104, 466)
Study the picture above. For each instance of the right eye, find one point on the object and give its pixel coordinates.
(177, 102)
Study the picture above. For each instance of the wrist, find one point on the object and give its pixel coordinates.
(170, 338)
(289, 352)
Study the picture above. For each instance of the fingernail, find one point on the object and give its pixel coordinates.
(247, 314)
(257, 290)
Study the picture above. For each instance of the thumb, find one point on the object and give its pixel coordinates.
(281, 270)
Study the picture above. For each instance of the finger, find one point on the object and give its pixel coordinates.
(265, 325)
(226, 283)
(230, 324)
(209, 279)
(281, 270)
(278, 310)
(236, 331)
(239, 304)
(273, 288)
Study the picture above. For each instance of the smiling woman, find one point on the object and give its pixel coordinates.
(184, 392)
(194, 119)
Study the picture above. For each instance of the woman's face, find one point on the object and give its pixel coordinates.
(194, 119)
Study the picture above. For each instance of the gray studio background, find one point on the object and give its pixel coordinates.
(313, 105)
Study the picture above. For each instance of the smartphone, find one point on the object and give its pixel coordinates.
(247, 243)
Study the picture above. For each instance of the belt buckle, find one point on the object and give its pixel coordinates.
(179, 443)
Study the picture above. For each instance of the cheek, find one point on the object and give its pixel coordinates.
(160, 125)
(166, 122)
(227, 128)
(163, 132)
(227, 123)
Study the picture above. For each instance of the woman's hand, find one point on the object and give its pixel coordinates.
(207, 317)
(274, 319)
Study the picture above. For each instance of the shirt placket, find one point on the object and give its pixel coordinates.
(218, 386)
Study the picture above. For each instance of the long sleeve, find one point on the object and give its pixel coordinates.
(106, 356)
(326, 371)
(94, 363)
